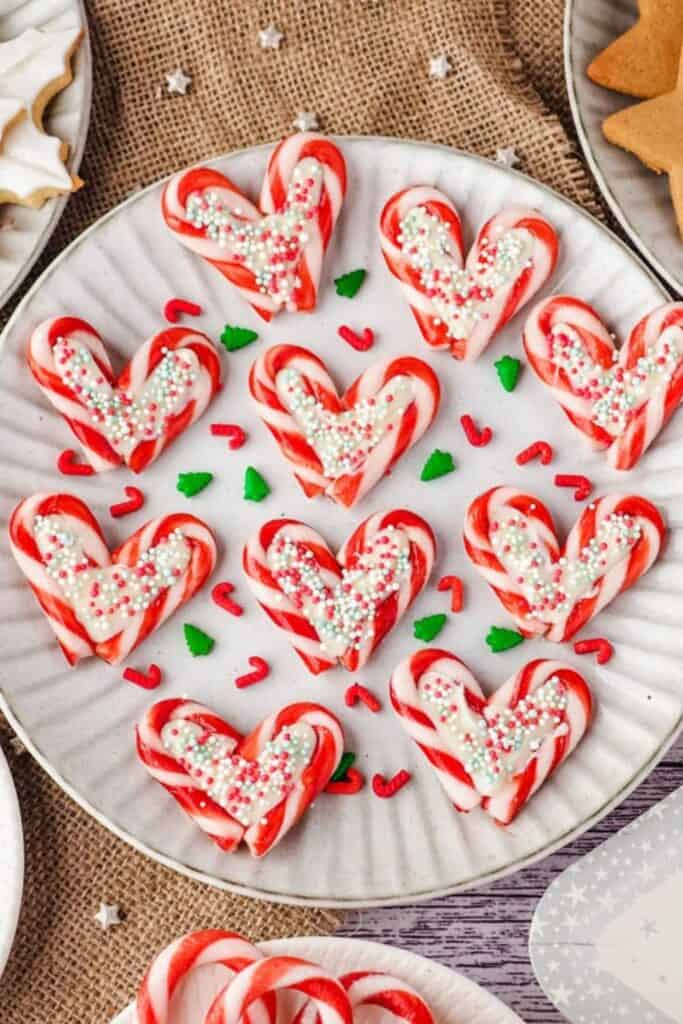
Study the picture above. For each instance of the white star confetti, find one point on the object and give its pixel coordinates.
(177, 82)
(108, 915)
(507, 157)
(439, 66)
(17, 746)
(270, 38)
(306, 121)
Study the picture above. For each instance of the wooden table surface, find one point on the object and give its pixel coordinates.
(484, 933)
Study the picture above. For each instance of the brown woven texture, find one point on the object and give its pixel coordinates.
(361, 65)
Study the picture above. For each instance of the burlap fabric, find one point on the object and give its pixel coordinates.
(361, 66)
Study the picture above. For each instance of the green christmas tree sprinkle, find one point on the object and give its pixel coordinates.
(190, 484)
(508, 369)
(500, 639)
(438, 464)
(198, 642)
(345, 763)
(429, 627)
(234, 338)
(349, 284)
(255, 487)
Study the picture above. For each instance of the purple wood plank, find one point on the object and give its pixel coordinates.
(485, 933)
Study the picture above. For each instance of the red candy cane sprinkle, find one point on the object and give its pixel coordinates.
(148, 680)
(454, 584)
(136, 500)
(261, 670)
(581, 484)
(476, 437)
(68, 464)
(174, 307)
(219, 595)
(602, 649)
(386, 788)
(538, 450)
(235, 434)
(356, 692)
(361, 342)
(353, 783)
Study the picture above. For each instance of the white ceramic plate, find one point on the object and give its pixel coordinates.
(606, 936)
(638, 198)
(11, 861)
(453, 998)
(28, 231)
(348, 850)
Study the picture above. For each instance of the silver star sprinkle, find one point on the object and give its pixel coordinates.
(306, 121)
(177, 81)
(270, 38)
(108, 915)
(439, 66)
(507, 157)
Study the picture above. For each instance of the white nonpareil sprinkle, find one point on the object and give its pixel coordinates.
(616, 393)
(272, 246)
(460, 297)
(343, 613)
(104, 599)
(342, 441)
(552, 588)
(245, 789)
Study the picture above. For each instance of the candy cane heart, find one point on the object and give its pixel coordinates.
(252, 789)
(550, 590)
(198, 949)
(273, 255)
(619, 399)
(373, 988)
(278, 974)
(165, 387)
(460, 302)
(498, 752)
(342, 446)
(337, 610)
(99, 602)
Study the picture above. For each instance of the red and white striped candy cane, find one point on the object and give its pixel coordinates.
(105, 448)
(505, 804)
(289, 612)
(202, 560)
(565, 320)
(267, 389)
(97, 448)
(483, 516)
(72, 635)
(420, 726)
(278, 196)
(197, 949)
(491, 307)
(277, 974)
(553, 591)
(208, 815)
(274, 825)
(373, 988)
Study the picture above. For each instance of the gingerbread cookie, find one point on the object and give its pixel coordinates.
(342, 446)
(100, 602)
(460, 302)
(644, 61)
(272, 255)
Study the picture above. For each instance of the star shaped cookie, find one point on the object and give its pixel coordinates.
(644, 61)
(653, 131)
